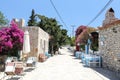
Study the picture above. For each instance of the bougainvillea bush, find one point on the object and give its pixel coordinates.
(80, 29)
(81, 34)
(11, 40)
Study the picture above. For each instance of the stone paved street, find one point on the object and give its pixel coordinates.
(65, 67)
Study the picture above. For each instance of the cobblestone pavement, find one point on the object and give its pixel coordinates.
(66, 67)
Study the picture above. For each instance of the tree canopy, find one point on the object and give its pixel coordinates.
(51, 26)
(32, 20)
(3, 20)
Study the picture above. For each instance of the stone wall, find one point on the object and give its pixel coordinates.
(39, 40)
(109, 46)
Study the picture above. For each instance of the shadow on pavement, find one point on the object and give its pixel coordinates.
(14, 78)
(29, 70)
(101, 71)
(104, 72)
(107, 73)
(61, 54)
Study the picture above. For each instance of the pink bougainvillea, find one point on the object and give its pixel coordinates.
(80, 29)
(11, 38)
(80, 32)
(80, 36)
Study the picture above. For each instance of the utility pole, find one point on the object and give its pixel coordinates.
(73, 30)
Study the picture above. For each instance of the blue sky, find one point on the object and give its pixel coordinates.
(73, 12)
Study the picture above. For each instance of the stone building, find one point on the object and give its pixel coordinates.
(39, 39)
(109, 42)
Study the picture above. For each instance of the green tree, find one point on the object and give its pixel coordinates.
(51, 26)
(58, 36)
(72, 41)
(3, 20)
(63, 37)
(33, 20)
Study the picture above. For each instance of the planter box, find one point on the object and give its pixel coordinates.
(19, 68)
(42, 57)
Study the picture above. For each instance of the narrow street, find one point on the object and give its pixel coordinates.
(60, 40)
(65, 67)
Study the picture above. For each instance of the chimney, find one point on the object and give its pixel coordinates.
(16, 21)
(109, 17)
(21, 23)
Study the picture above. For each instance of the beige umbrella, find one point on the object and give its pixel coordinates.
(26, 43)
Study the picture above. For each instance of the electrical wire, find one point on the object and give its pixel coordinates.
(108, 3)
(58, 14)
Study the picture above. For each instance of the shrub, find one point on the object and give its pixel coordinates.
(11, 40)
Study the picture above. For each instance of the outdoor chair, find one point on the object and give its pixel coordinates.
(47, 54)
(31, 62)
(78, 54)
(83, 55)
(10, 68)
(11, 59)
(95, 61)
(92, 60)
(13, 69)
